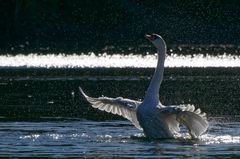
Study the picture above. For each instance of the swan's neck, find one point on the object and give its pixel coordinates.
(152, 94)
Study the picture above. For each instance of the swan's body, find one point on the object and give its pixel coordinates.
(156, 120)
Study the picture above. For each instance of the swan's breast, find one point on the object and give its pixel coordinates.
(153, 123)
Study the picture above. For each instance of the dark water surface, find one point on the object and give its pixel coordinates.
(42, 113)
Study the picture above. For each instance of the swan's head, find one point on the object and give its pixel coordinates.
(157, 40)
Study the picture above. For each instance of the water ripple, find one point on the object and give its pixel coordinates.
(110, 138)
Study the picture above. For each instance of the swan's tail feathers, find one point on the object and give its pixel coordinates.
(194, 120)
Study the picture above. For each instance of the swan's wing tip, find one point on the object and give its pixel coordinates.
(82, 92)
(119, 106)
(80, 88)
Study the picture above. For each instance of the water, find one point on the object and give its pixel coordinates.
(84, 138)
(117, 60)
(43, 115)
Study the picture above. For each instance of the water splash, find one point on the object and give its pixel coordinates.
(220, 139)
(32, 137)
(117, 60)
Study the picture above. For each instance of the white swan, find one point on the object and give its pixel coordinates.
(155, 119)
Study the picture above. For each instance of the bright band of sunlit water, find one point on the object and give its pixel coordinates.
(116, 61)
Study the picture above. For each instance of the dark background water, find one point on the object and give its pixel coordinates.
(103, 25)
(27, 94)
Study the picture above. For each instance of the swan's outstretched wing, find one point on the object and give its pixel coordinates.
(192, 118)
(120, 106)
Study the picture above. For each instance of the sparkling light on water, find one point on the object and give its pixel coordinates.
(214, 139)
(106, 61)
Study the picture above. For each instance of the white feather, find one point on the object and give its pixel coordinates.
(120, 106)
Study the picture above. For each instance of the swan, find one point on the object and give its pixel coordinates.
(150, 116)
